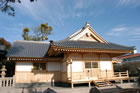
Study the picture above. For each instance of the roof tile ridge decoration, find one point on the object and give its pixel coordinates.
(97, 33)
(122, 45)
(32, 41)
(76, 33)
(79, 31)
(87, 25)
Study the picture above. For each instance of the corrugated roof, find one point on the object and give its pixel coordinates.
(90, 45)
(28, 49)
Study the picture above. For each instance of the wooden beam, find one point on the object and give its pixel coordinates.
(29, 59)
(93, 50)
(71, 70)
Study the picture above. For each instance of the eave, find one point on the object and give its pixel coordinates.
(35, 59)
(57, 50)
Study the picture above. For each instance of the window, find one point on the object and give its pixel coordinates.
(89, 65)
(39, 66)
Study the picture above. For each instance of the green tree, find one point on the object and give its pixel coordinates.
(130, 66)
(6, 7)
(25, 34)
(40, 33)
(3, 61)
(6, 44)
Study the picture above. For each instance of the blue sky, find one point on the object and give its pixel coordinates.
(116, 21)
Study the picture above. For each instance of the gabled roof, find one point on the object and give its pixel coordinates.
(28, 49)
(87, 29)
(72, 43)
(90, 45)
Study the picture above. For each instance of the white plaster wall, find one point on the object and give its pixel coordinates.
(106, 65)
(77, 66)
(24, 66)
(53, 66)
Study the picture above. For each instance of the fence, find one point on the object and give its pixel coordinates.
(7, 82)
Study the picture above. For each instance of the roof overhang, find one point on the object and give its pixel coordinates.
(57, 50)
(35, 59)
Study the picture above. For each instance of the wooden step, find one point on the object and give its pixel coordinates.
(102, 83)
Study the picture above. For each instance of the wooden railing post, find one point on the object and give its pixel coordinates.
(127, 73)
(120, 74)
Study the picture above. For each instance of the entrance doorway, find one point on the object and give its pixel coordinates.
(93, 69)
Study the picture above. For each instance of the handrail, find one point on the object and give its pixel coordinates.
(7, 82)
(121, 74)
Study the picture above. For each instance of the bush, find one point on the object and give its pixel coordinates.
(131, 67)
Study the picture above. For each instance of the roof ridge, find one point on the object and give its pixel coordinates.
(31, 41)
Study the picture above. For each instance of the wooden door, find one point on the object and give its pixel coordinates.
(92, 69)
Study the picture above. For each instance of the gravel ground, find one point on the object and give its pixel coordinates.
(108, 89)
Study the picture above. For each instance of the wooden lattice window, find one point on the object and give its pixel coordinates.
(89, 65)
(39, 66)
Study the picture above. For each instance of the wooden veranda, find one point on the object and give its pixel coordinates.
(86, 78)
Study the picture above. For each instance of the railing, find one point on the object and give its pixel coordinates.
(7, 82)
(121, 74)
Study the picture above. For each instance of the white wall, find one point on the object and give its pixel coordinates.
(106, 65)
(53, 66)
(24, 66)
(77, 66)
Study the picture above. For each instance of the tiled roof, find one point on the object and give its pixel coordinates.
(131, 56)
(90, 45)
(28, 49)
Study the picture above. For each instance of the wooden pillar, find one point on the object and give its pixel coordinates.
(121, 81)
(99, 64)
(71, 73)
(66, 59)
(127, 73)
(71, 84)
(89, 84)
(128, 76)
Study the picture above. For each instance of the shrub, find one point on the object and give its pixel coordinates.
(131, 67)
